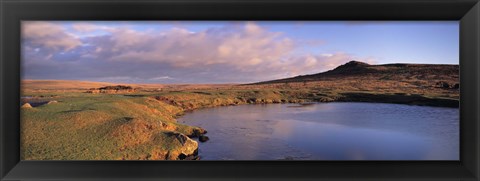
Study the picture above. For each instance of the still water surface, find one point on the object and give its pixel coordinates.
(328, 131)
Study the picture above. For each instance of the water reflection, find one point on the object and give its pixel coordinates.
(328, 131)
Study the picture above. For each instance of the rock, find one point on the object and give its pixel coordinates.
(456, 86)
(188, 149)
(26, 105)
(190, 157)
(325, 99)
(197, 132)
(241, 99)
(294, 101)
(203, 138)
(52, 102)
(442, 84)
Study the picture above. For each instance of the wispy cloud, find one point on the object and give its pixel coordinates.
(89, 27)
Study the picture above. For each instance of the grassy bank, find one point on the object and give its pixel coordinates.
(103, 127)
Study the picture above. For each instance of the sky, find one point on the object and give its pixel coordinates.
(178, 52)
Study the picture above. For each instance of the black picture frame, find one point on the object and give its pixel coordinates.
(12, 12)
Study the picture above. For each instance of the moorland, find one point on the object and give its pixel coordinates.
(81, 120)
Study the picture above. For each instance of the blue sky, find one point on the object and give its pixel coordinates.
(225, 52)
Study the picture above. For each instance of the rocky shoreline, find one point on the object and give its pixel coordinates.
(399, 98)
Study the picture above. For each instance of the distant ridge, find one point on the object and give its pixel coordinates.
(360, 70)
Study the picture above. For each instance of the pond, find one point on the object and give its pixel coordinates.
(328, 131)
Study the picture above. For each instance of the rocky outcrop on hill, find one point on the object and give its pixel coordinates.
(446, 85)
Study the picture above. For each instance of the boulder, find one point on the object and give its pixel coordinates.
(203, 138)
(190, 157)
(188, 148)
(26, 105)
(268, 101)
(197, 132)
(456, 86)
(442, 84)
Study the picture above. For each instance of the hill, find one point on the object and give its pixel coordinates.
(364, 71)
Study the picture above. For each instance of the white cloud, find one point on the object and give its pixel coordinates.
(49, 35)
(237, 46)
